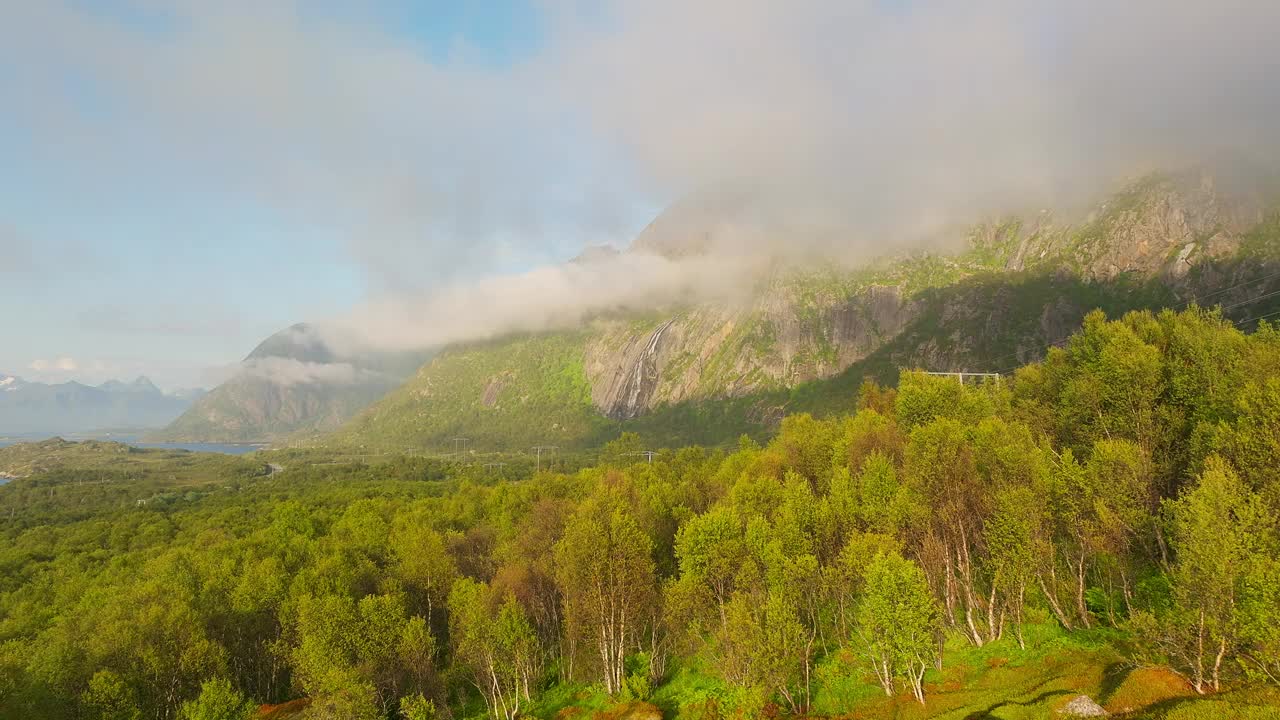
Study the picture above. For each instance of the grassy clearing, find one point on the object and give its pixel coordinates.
(997, 682)
(570, 700)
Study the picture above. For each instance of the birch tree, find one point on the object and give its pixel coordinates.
(898, 623)
(605, 570)
(765, 645)
(496, 645)
(1215, 534)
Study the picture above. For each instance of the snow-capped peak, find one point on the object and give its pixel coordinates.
(8, 382)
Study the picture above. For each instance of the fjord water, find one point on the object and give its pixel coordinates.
(223, 448)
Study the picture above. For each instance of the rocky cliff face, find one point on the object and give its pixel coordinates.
(1159, 226)
(781, 339)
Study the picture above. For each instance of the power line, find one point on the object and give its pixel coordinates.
(1060, 342)
(1242, 321)
(1273, 293)
(1233, 287)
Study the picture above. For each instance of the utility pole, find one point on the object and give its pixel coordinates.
(537, 449)
(457, 445)
(648, 454)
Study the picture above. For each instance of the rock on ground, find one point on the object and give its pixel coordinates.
(1083, 706)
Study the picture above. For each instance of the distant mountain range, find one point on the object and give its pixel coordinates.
(72, 407)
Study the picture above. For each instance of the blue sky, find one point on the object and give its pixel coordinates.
(180, 178)
(130, 250)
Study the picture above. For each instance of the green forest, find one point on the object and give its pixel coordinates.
(1105, 522)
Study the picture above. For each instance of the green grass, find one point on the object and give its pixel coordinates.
(1246, 704)
(999, 681)
(176, 467)
(583, 698)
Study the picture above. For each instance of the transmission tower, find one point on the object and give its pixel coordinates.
(961, 376)
(537, 449)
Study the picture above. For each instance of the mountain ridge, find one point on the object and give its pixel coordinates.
(1020, 284)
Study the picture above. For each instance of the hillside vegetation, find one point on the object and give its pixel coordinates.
(523, 391)
(1103, 523)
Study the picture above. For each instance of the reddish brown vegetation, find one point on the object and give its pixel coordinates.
(1146, 686)
(283, 710)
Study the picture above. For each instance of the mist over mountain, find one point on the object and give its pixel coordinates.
(72, 407)
(729, 346)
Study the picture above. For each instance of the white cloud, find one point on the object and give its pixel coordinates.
(287, 371)
(545, 298)
(426, 169)
(884, 120)
(96, 370)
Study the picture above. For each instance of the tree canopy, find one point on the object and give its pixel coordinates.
(1127, 482)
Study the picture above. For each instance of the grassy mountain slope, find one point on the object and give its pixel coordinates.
(515, 392)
